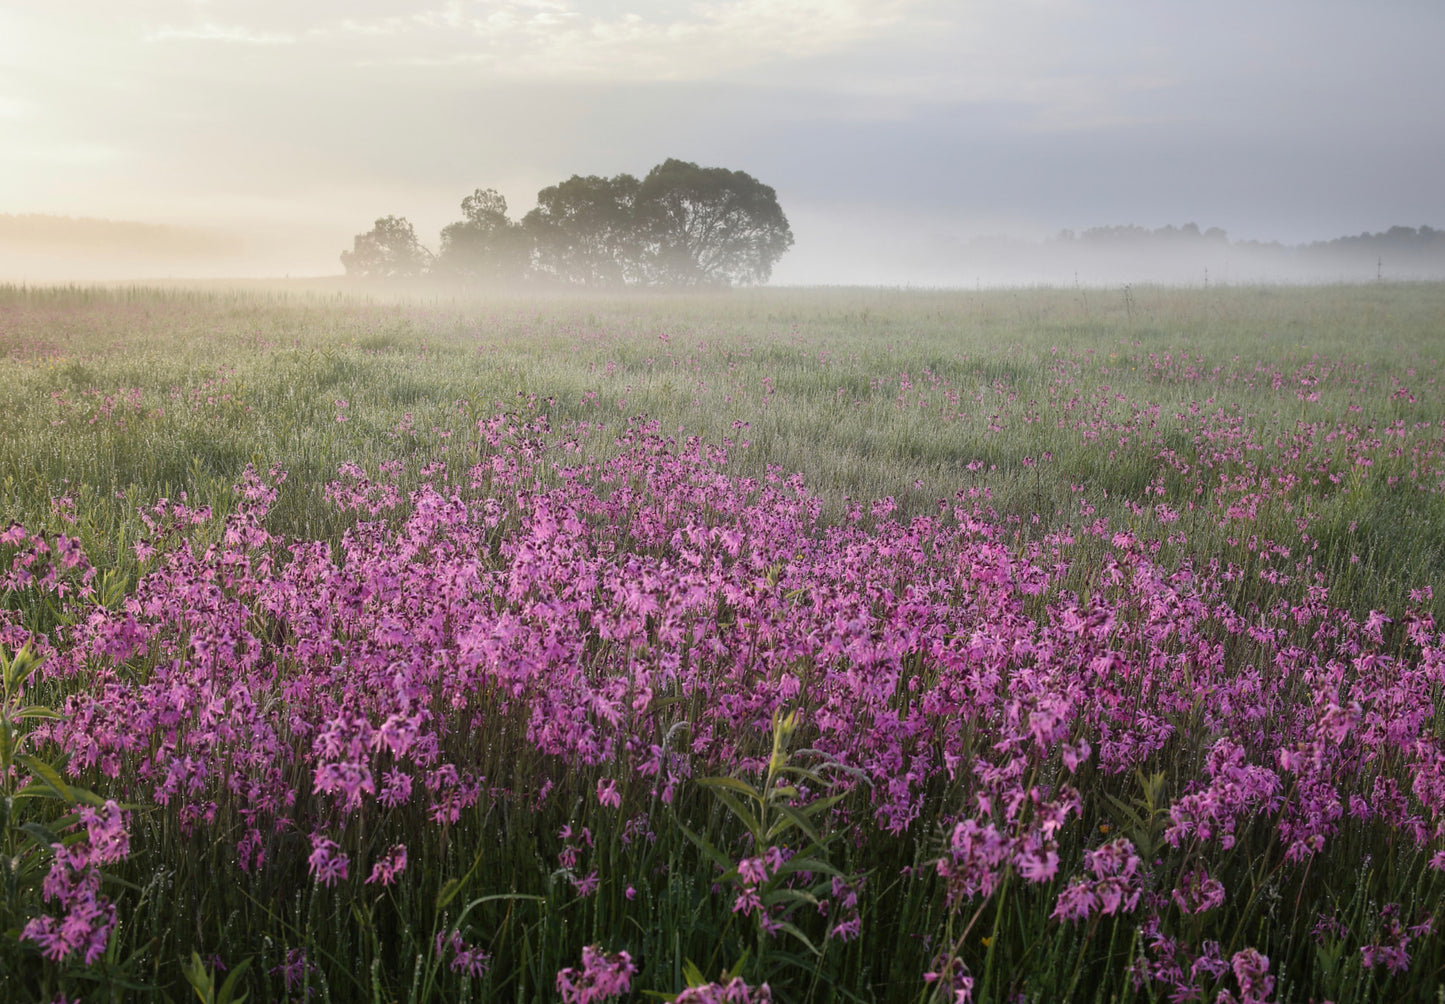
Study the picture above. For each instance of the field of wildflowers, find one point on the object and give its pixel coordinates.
(771, 646)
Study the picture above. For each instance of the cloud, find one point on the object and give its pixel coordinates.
(14, 108)
(549, 40)
(211, 32)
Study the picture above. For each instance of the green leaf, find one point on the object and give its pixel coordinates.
(704, 845)
(200, 978)
(806, 773)
(795, 818)
(737, 969)
(803, 938)
(493, 897)
(448, 892)
(742, 812)
(820, 805)
(1125, 809)
(17, 669)
(47, 773)
(692, 974)
(40, 833)
(229, 987)
(794, 896)
(731, 784)
(805, 864)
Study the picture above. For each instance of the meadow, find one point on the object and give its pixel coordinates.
(790, 645)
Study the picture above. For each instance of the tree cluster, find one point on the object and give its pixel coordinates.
(1408, 240)
(681, 225)
(1401, 242)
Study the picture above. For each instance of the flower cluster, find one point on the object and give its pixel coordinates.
(734, 991)
(1114, 885)
(602, 976)
(86, 918)
(638, 620)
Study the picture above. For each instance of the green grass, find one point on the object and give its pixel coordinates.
(222, 378)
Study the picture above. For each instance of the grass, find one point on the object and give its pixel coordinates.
(219, 379)
(1270, 442)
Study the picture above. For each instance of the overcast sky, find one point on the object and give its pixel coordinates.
(880, 123)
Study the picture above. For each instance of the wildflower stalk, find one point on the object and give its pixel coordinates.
(768, 813)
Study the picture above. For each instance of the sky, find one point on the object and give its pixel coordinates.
(277, 130)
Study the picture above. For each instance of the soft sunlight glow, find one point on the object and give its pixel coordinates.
(1286, 121)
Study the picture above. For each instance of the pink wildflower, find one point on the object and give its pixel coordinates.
(327, 865)
(602, 976)
(386, 870)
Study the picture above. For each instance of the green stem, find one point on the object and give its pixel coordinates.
(993, 935)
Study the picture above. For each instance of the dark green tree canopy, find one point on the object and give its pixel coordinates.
(710, 226)
(389, 250)
(682, 225)
(585, 231)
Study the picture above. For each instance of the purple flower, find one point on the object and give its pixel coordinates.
(602, 976)
(326, 863)
(735, 991)
(465, 958)
(386, 870)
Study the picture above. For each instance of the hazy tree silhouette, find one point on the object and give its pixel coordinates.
(484, 247)
(389, 250)
(585, 231)
(709, 226)
(682, 225)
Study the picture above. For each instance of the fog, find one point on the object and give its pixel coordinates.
(1106, 255)
(47, 249)
(256, 138)
(839, 249)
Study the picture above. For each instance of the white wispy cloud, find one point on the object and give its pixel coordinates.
(547, 39)
(14, 108)
(211, 32)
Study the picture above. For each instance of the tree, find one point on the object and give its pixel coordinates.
(682, 225)
(485, 246)
(708, 226)
(585, 231)
(389, 251)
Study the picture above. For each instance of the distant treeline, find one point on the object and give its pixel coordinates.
(45, 233)
(1185, 254)
(681, 225)
(1426, 240)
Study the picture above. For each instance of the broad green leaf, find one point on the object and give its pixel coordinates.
(795, 818)
(705, 845)
(448, 892)
(737, 969)
(229, 987)
(732, 784)
(804, 864)
(790, 928)
(40, 833)
(692, 974)
(789, 896)
(47, 773)
(745, 815)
